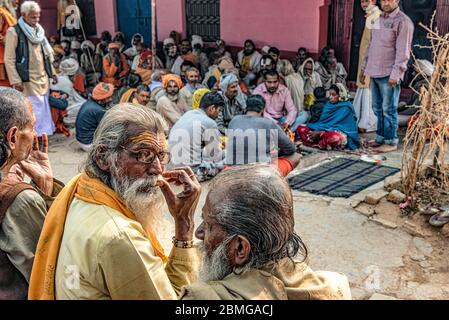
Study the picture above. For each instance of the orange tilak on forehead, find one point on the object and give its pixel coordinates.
(155, 140)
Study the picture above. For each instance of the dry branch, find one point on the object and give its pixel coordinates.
(426, 138)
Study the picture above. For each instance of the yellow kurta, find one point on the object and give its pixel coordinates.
(39, 82)
(287, 281)
(371, 19)
(115, 259)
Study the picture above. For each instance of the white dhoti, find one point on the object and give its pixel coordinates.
(363, 106)
(42, 112)
(72, 113)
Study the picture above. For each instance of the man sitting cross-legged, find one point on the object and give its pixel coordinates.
(252, 138)
(280, 106)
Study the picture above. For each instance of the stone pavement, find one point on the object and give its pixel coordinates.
(378, 261)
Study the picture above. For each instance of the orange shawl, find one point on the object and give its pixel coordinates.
(126, 97)
(42, 281)
(145, 75)
(10, 20)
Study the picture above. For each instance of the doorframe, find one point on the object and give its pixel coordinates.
(344, 50)
(442, 16)
(148, 39)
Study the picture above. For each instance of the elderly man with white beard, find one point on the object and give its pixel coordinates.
(250, 243)
(99, 239)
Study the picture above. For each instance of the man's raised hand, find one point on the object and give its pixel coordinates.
(182, 206)
(38, 167)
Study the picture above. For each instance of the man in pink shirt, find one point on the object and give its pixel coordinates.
(279, 103)
(386, 63)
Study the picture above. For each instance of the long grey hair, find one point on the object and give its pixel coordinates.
(113, 133)
(257, 203)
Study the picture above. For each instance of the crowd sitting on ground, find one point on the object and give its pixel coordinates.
(106, 221)
(93, 78)
(235, 120)
(308, 99)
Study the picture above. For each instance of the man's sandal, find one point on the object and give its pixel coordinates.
(440, 219)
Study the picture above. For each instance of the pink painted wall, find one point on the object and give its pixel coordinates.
(105, 15)
(170, 16)
(286, 24)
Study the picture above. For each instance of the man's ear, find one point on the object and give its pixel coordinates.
(240, 251)
(11, 138)
(102, 161)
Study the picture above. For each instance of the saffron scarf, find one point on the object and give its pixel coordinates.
(246, 63)
(145, 75)
(10, 20)
(126, 97)
(42, 281)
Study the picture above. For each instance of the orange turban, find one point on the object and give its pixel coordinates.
(171, 77)
(103, 91)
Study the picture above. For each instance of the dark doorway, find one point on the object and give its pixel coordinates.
(87, 8)
(134, 16)
(340, 29)
(203, 19)
(358, 26)
(419, 11)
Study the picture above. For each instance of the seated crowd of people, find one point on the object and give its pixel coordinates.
(210, 101)
(97, 237)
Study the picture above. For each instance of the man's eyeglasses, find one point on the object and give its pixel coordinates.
(147, 156)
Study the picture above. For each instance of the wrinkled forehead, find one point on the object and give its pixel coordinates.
(147, 139)
(212, 199)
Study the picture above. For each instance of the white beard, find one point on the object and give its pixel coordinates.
(215, 267)
(144, 199)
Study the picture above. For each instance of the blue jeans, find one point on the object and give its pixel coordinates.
(385, 106)
(302, 118)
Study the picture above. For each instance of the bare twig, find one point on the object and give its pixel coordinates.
(426, 138)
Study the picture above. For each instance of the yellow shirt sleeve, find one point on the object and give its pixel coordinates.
(132, 271)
